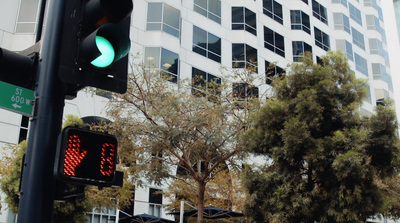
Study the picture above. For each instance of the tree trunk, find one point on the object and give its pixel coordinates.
(200, 202)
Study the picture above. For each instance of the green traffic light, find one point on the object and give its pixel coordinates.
(107, 53)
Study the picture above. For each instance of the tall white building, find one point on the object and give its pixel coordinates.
(189, 38)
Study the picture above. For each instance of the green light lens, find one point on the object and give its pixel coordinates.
(107, 53)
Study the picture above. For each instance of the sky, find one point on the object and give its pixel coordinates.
(393, 48)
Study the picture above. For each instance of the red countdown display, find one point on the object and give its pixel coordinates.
(85, 156)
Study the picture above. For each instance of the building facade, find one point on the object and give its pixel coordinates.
(396, 4)
(191, 38)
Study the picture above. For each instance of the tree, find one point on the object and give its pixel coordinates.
(224, 191)
(324, 161)
(162, 127)
(73, 210)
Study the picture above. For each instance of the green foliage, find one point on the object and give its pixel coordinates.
(224, 191)
(73, 120)
(11, 175)
(326, 159)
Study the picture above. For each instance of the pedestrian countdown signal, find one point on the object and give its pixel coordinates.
(86, 157)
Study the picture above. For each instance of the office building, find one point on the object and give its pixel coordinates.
(190, 38)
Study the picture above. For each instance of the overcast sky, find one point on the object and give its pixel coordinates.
(393, 48)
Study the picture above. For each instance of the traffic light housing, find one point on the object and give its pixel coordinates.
(18, 69)
(95, 44)
(86, 157)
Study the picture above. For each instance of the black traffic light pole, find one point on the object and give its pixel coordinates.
(38, 184)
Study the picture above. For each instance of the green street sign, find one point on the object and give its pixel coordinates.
(16, 99)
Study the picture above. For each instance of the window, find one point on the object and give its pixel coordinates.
(27, 16)
(368, 98)
(155, 202)
(163, 17)
(23, 131)
(202, 81)
(321, 39)
(244, 19)
(161, 60)
(361, 64)
(243, 92)
(243, 56)
(380, 13)
(299, 48)
(375, 5)
(274, 42)
(305, 1)
(346, 48)
(300, 21)
(373, 23)
(101, 214)
(271, 70)
(127, 210)
(386, 56)
(343, 2)
(341, 22)
(379, 72)
(319, 11)
(209, 8)
(273, 9)
(380, 95)
(358, 38)
(355, 14)
(376, 47)
(206, 44)
(320, 61)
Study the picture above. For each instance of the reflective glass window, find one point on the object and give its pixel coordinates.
(206, 44)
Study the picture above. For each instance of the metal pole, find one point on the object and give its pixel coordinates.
(40, 21)
(182, 212)
(38, 184)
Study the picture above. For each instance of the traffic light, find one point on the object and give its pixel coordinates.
(95, 44)
(86, 157)
(18, 69)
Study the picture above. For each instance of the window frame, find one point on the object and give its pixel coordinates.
(343, 2)
(273, 46)
(208, 51)
(347, 48)
(361, 64)
(205, 83)
(163, 25)
(343, 24)
(21, 24)
(174, 77)
(322, 41)
(271, 8)
(276, 71)
(320, 12)
(304, 45)
(355, 14)
(302, 25)
(245, 61)
(244, 24)
(358, 38)
(207, 12)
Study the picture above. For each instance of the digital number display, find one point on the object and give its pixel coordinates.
(86, 156)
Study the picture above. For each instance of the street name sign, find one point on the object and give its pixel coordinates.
(16, 99)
